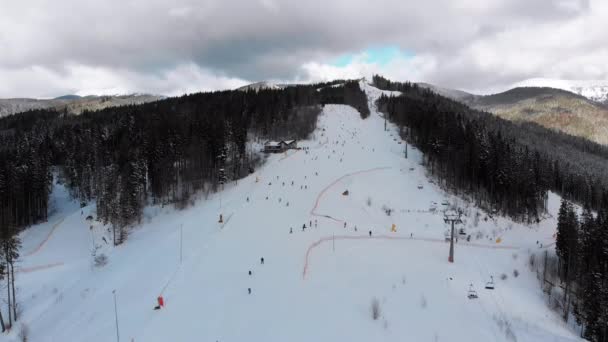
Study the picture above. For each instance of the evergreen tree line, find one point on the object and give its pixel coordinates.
(582, 250)
(348, 93)
(505, 167)
(160, 152)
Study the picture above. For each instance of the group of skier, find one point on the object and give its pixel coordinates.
(251, 274)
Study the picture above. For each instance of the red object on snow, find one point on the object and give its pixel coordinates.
(161, 301)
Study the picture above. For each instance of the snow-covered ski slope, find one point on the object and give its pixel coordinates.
(315, 285)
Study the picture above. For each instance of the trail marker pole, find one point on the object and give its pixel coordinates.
(181, 239)
(333, 243)
(116, 316)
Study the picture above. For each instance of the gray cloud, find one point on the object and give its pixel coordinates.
(49, 48)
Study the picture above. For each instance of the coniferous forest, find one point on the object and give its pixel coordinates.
(582, 253)
(506, 167)
(159, 152)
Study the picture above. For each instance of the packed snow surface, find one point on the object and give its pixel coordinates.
(316, 283)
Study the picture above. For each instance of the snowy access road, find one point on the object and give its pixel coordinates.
(421, 296)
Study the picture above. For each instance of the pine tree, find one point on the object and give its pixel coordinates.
(567, 238)
(10, 245)
(2, 270)
(591, 311)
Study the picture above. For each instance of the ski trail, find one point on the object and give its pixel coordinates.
(287, 155)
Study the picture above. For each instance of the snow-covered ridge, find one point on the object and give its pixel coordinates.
(75, 105)
(259, 85)
(594, 90)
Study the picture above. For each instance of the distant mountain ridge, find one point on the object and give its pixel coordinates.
(555, 108)
(74, 104)
(595, 90)
(68, 97)
(454, 94)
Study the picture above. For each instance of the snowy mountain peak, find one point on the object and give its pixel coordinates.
(594, 90)
(259, 85)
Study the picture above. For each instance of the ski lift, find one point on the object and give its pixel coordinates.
(461, 231)
(490, 284)
(472, 294)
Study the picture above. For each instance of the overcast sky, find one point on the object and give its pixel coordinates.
(52, 48)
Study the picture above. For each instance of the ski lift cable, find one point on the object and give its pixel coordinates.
(470, 309)
(498, 305)
(480, 302)
(490, 319)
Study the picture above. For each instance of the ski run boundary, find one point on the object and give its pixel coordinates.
(46, 239)
(313, 211)
(387, 237)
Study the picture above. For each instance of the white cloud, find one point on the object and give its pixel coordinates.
(401, 68)
(41, 82)
(166, 47)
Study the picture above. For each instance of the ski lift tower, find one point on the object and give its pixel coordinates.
(452, 216)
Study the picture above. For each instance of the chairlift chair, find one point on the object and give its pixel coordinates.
(472, 294)
(490, 284)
